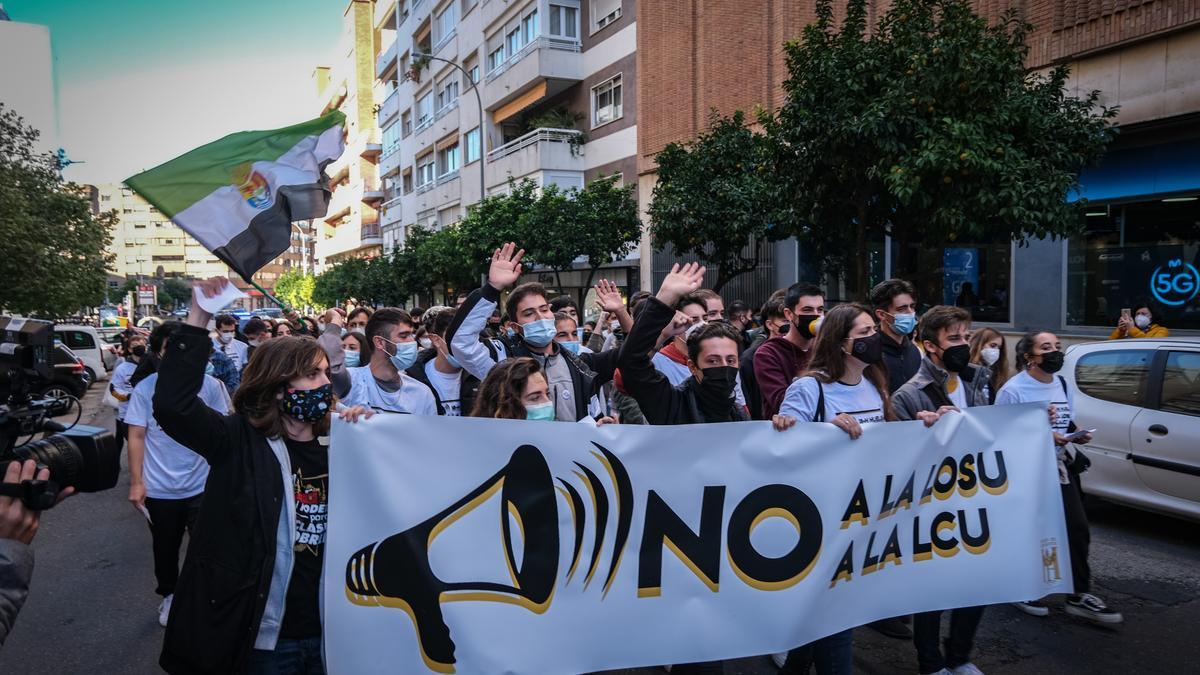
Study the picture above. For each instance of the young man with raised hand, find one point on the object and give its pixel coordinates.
(573, 380)
(380, 384)
(672, 359)
(782, 359)
(453, 388)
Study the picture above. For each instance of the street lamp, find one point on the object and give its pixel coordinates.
(479, 100)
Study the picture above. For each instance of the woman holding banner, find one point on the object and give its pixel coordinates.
(247, 599)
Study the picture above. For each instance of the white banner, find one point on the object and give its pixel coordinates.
(494, 546)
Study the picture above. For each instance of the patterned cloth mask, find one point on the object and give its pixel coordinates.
(307, 405)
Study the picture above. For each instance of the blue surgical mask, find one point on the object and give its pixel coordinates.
(510, 332)
(571, 346)
(210, 369)
(453, 362)
(405, 355)
(539, 333)
(904, 323)
(541, 413)
(352, 359)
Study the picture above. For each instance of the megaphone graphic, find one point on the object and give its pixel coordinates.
(396, 572)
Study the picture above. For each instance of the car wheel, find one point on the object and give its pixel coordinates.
(56, 390)
(91, 374)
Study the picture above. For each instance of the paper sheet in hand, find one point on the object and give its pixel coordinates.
(220, 301)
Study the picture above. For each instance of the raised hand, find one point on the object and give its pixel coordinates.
(197, 315)
(506, 266)
(680, 282)
(608, 296)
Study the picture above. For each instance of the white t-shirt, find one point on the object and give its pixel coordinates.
(236, 350)
(677, 373)
(169, 470)
(860, 401)
(412, 397)
(448, 386)
(1023, 388)
(959, 396)
(120, 384)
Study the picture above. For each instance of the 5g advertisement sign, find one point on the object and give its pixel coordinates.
(1116, 277)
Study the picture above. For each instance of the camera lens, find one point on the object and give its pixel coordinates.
(85, 458)
(57, 453)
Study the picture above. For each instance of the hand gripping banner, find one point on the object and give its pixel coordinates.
(494, 546)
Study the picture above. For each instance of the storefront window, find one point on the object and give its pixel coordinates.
(973, 275)
(1133, 253)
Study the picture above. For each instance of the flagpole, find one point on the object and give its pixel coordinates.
(270, 297)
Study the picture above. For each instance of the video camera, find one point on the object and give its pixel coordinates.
(78, 456)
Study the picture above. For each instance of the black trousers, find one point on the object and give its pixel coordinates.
(702, 668)
(122, 433)
(1079, 536)
(169, 519)
(927, 632)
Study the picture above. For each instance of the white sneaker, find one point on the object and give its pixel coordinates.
(164, 610)
(967, 668)
(779, 659)
(1092, 608)
(944, 671)
(1033, 607)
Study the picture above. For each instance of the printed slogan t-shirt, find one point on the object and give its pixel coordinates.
(1025, 388)
(310, 486)
(860, 401)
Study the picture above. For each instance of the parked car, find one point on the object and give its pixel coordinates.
(87, 343)
(1143, 399)
(70, 375)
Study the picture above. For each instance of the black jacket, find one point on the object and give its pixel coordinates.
(660, 402)
(589, 372)
(468, 383)
(223, 587)
(902, 359)
(749, 379)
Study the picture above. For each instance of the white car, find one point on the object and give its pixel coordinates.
(88, 345)
(1143, 398)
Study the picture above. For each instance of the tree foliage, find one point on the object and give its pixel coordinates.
(714, 198)
(52, 247)
(927, 126)
(295, 288)
(174, 291)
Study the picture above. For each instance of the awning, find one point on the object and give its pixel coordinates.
(1142, 172)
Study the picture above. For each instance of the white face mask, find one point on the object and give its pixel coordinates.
(1142, 321)
(425, 343)
(225, 338)
(990, 355)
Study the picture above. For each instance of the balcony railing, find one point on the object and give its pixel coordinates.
(445, 39)
(447, 177)
(424, 124)
(389, 108)
(445, 110)
(566, 136)
(543, 41)
(422, 189)
(387, 58)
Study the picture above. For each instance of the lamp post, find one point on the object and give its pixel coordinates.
(478, 99)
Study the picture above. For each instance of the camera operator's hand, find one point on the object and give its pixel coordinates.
(210, 287)
(16, 520)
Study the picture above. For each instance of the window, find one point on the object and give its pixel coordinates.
(468, 5)
(974, 275)
(444, 26)
(391, 139)
(529, 27)
(513, 41)
(471, 65)
(606, 101)
(406, 127)
(1181, 383)
(471, 140)
(1129, 253)
(425, 108)
(447, 92)
(106, 198)
(77, 339)
(425, 169)
(564, 21)
(605, 12)
(1117, 375)
(447, 160)
(495, 57)
(408, 182)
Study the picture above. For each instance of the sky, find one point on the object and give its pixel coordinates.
(142, 81)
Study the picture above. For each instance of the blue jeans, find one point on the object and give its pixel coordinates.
(833, 655)
(290, 657)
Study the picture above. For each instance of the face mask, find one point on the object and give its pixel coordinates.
(956, 358)
(225, 338)
(715, 393)
(307, 405)
(687, 335)
(539, 333)
(425, 343)
(541, 413)
(254, 343)
(614, 325)
(351, 359)
(990, 355)
(868, 349)
(405, 354)
(808, 324)
(210, 369)
(904, 323)
(1142, 321)
(139, 351)
(358, 329)
(510, 332)
(1052, 362)
(572, 347)
(453, 362)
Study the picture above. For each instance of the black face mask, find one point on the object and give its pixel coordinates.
(138, 351)
(804, 324)
(715, 392)
(868, 349)
(1052, 362)
(956, 358)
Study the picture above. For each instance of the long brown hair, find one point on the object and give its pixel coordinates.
(1001, 370)
(500, 393)
(828, 364)
(273, 364)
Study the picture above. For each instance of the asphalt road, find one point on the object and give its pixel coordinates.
(93, 609)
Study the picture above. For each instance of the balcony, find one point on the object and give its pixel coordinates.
(389, 164)
(445, 110)
(387, 59)
(553, 60)
(440, 44)
(538, 150)
(389, 108)
(385, 14)
(348, 238)
(391, 212)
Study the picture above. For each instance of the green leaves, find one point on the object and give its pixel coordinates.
(52, 248)
(295, 288)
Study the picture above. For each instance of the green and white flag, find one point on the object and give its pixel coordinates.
(239, 195)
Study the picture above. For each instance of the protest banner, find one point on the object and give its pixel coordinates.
(495, 546)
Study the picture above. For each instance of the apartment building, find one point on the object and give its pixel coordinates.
(556, 81)
(1143, 200)
(146, 244)
(350, 228)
